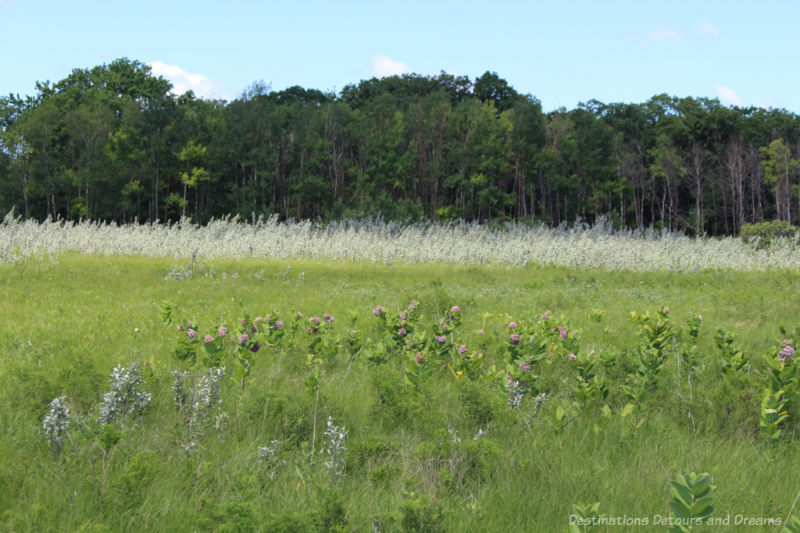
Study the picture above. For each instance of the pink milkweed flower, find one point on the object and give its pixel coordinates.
(787, 354)
(403, 315)
(455, 309)
(243, 338)
(278, 325)
(191, 334)
(419, 358)
(254, 329)
(514, 338)
(412, 306)
(512, 325)
(571, 356)
(299, 315)
(258, 319)
(256, 347)
(209, 338)
(378, 310)
(441, 339)
(462, 349)
(524, 367)
(222, 331)
(314, 320)
(562, 332)
(402, 332)
(329, 318)
(547, 315)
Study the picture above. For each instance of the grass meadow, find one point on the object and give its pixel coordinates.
(350, 425)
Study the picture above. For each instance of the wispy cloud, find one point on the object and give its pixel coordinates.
(182, 81)
(383, 66)
(708, 28)
(727, 96)
(664, 34)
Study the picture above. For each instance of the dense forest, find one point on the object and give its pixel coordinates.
(113, 143)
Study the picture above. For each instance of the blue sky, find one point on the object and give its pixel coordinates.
(561, 52)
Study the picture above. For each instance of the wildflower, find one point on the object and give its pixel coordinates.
(412, 306)
(278, 325)
(258, 319)
(221, 332)
(123, 398)
(243, 322)
(455, 309)
(180, 328)
(328, 318)
(254, 329)
(787, 354)
(314, 320)
(571, 356)
(419, 358)
(402, 332)
(243, 338)
(441, 339)
(665, 310)
(256, 347)
(56, 424)
(524, 367)
(298, 315)
(562, 331)
(191, 334)
(209, 338)
(514, 338)
(378, 310)
(462, 349)
(403, 315)
(479, 332)
(547, 315)
(512, 325)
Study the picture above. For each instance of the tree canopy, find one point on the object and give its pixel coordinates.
(114, 143)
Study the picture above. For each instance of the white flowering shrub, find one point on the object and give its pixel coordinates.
(124, 398)
(56, 424)
(199, 400)
(597, 246)
(335, 448)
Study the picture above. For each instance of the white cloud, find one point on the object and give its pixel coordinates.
(708, 28)
(383, 66)
(727, 96)
(182, 81)
(664, 34)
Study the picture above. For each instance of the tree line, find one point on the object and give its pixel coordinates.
(113, 143)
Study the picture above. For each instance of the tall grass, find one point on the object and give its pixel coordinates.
(582, 246)
(411, 458)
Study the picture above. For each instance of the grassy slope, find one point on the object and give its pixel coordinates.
(64, 326)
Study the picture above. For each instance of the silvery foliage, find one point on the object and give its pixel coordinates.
(199, 400)
(516, 391)
(374, 240)
(538, 402)
(267, 454)
(56, 424)
(124, 399)
(336, 446)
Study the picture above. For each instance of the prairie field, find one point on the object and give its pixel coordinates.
(304, 392)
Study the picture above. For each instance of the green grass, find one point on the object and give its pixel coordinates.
(65, 325)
